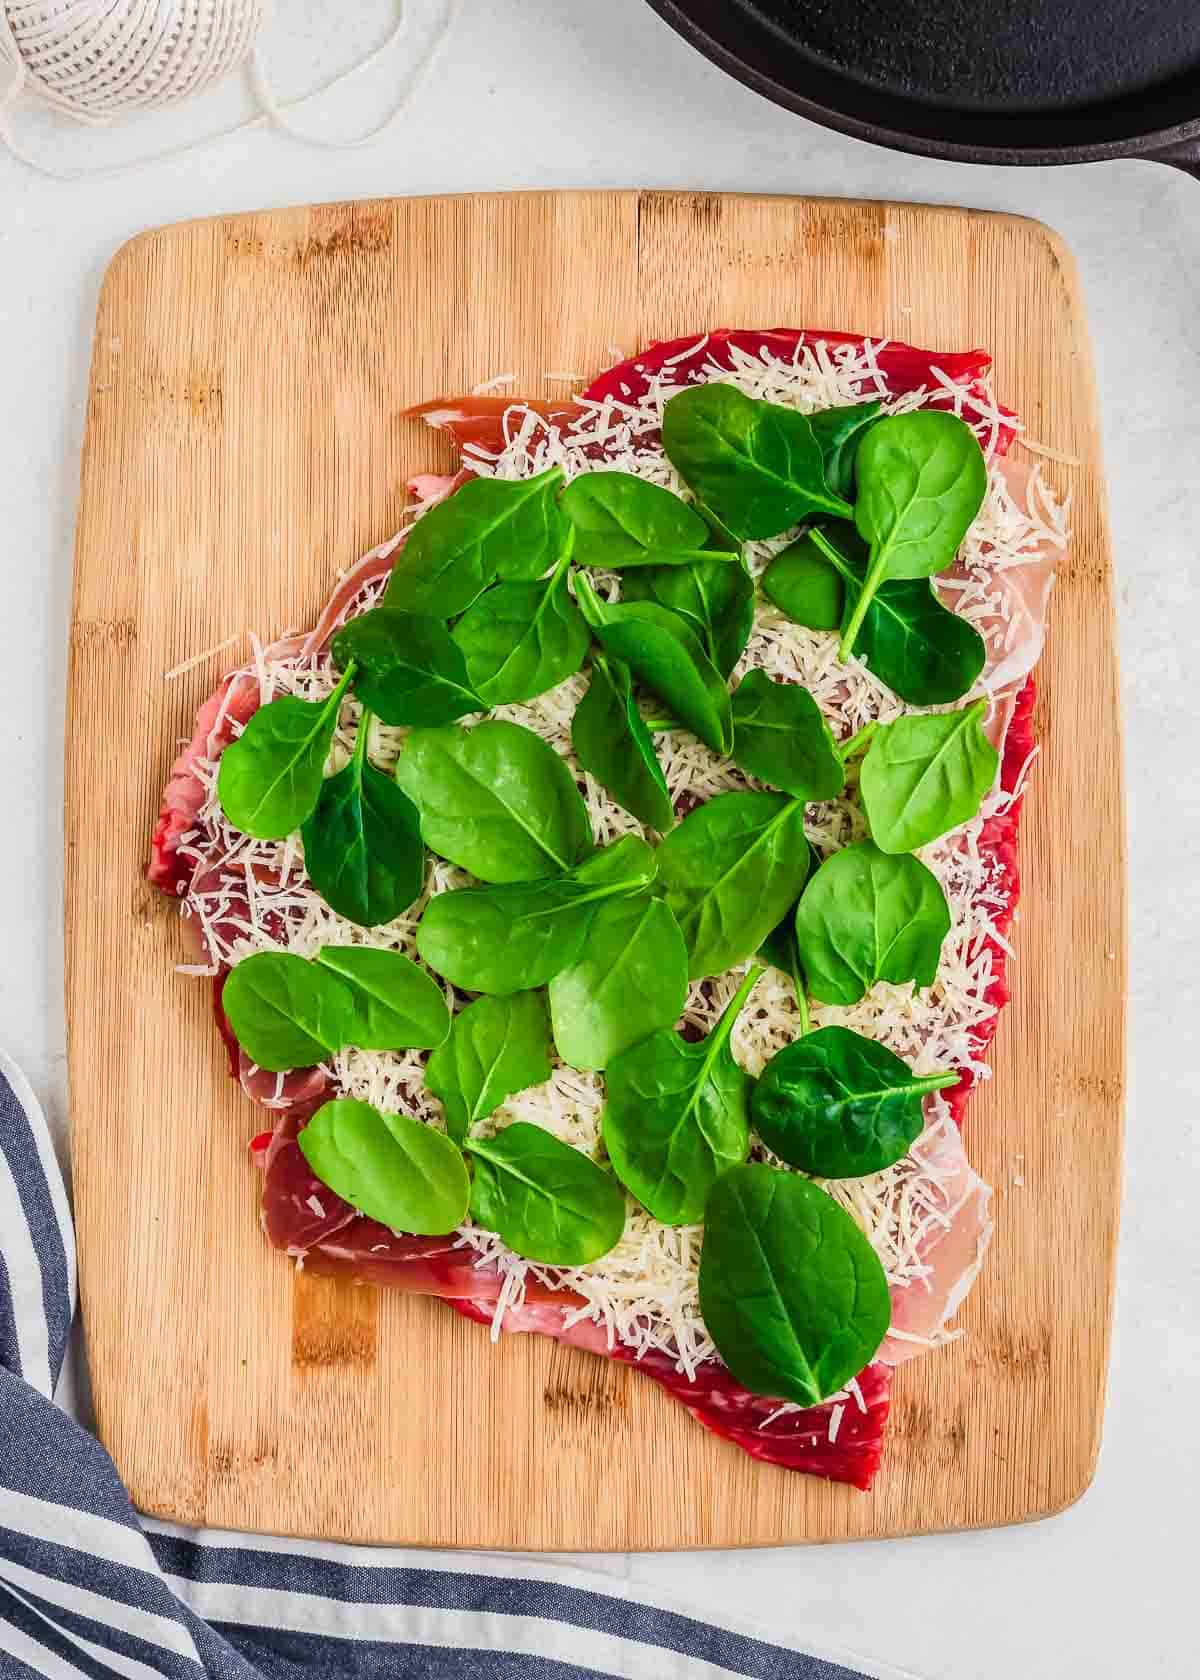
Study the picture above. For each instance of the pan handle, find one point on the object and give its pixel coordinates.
(1183, 154)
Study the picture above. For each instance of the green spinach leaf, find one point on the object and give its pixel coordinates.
(667, 657)
(791, 1291)
(286, 1012)
(497, 1047)
(613, 744)
(866, 916)
(729, 871)
(362, 842)
(622, 520)
(916, 646)
(921, 481)
(513, 938)
(780, 736)
(408, 668)
(392, 1168)
(839, 431)
(923, 776)
(802, 583)
(512, 529)
(520, 639)
(397, 1006)
(270, 777)
(716, 597)
(497, 800)
(677, 1115)
(758, 466)
(838, 1105)
(629, 977)
(545, 1200)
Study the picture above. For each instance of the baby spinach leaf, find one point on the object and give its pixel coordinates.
(492, 527)
(757, 466)
(396, 1005)
(285, 1012)
(923, 776)
(497, 800)
(677, 1115)
(519, 639)
(622, 520)
(803, 584)
(716, 597)
(512, 938)
(613, 744)
(921, 481)
(668, 658)
(362, 842)
(409, 669)
(497, 1047)
(629, 977)
(270, 777)
(730, 871)
(791, 1291)
(780, 736)
(838, 1105)
(922, 651)
(866, 916)
(392, 1168)
(839, 431)
(545, 1200)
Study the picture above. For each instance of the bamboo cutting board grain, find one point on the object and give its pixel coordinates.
(243, 443)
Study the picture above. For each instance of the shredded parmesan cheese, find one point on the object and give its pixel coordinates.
(251, 895)
(1049, 454)
(200, 658)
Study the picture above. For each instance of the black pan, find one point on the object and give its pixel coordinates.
(980, 81)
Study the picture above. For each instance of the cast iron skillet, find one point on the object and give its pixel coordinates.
(980, 81)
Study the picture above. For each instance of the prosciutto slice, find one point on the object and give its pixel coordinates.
(951, 1249)
(842, 1439)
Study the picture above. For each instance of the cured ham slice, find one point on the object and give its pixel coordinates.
(843, 1438)
(951, 1249)
(479, 420)
(1008, 604)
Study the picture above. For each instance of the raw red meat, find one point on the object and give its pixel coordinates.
(304, 1217)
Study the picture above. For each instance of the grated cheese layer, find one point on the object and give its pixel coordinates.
(251, 895)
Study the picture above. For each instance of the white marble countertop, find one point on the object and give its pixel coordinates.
(556, 93)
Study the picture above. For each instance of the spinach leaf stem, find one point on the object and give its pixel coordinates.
(857, 742)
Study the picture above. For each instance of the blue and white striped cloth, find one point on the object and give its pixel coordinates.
(87, 1588)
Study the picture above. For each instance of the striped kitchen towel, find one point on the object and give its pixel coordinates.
(87, 1588)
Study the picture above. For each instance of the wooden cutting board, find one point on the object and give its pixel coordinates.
(244, 441)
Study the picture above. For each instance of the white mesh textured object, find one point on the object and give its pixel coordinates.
(100, 59)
